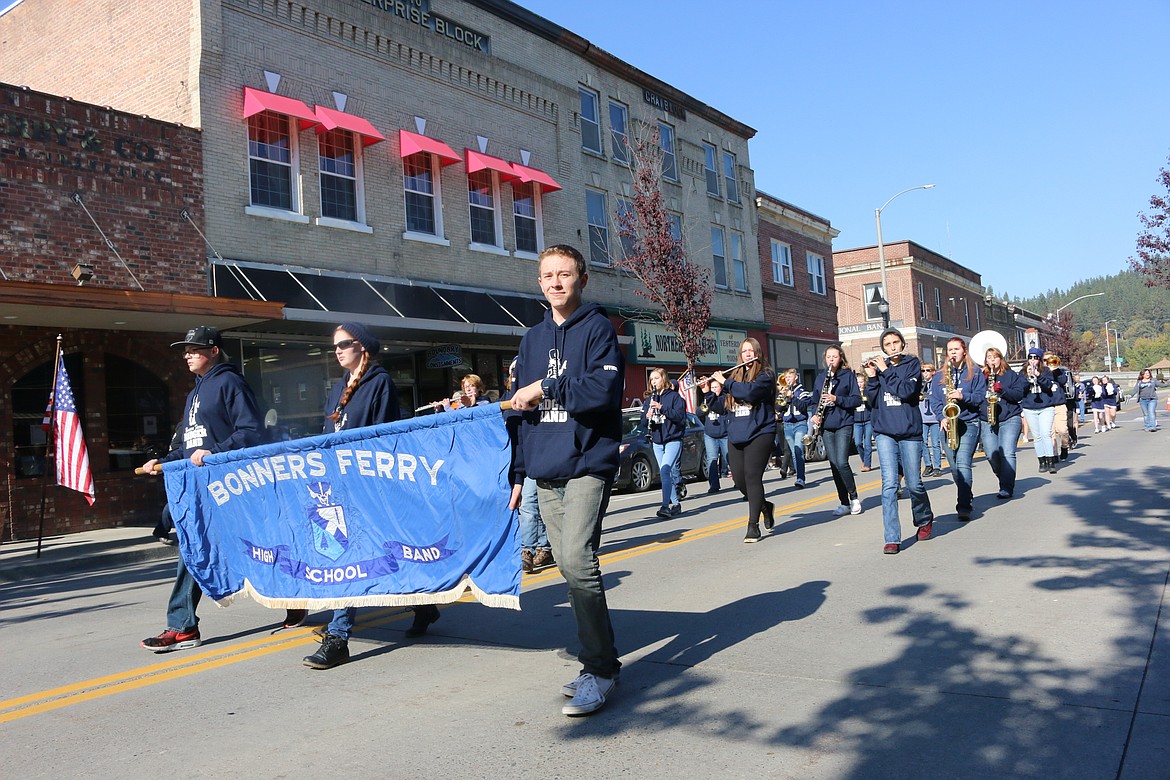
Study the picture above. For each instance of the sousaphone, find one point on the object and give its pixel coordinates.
(984, 340)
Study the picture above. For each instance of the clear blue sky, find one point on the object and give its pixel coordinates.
(1043, 124)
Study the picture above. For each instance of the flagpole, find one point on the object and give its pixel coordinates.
(48, 444)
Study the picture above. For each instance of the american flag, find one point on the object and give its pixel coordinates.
(686, 388)
(72, 457)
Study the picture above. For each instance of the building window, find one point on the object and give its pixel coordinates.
(922, 300)
(978, 324)
(729, 177)
(590, 121)
(816, 273)
(271, 156)
(482, 197)
(137, 414)
(669, 161)
(527, 217)
(738, 264)
(873, 301)
(675, 221)
(719, 257)
(424, 212)
(619, 120)
(30, 395)
(625, 210)
(937, 305)
(340, 185)
(967, 314)
(710, 169)
(782, 263)
(597, 214)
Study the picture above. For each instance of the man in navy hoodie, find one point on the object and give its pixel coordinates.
(220, 415)
(570, 377)
(894, 386)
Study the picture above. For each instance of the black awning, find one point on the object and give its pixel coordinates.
(308, 292)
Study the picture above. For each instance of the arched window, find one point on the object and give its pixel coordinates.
(30, 397)
(137, 414)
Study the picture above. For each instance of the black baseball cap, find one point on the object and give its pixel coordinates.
(202, 336)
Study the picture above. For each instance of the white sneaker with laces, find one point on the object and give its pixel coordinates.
(590, 694)
(855, 506)
(570, 688)
(841, 510)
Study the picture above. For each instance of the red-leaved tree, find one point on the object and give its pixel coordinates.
(1067, 343)
(1153, 243)
(679, 291)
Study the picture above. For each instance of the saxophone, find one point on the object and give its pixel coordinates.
(814, 431)
(992, 400)
(951, 410)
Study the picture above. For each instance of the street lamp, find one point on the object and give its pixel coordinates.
(1108, 354)
(877, 215)
(1070, 303)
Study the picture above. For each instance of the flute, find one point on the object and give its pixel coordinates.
(707, 379)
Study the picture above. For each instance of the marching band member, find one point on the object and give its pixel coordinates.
(932, 448)
(1146, 391)
(894, 386)
(1109, 392)
(1062, 416)
(836, 395)
(1096, 395)
(863, 426)
(365, 395)
(664, 415)
(748, 395)
(715, 441)
(473, 393)
(1001, 419)
(795, 420)
(964, 390)
(1040, 403)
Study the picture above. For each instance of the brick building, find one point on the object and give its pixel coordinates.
(796, 266)
(931, 299)
(72, 176)
(403, 164)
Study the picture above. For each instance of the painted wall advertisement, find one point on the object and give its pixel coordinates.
(657, 345)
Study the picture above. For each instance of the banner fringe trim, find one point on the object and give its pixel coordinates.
(449, 596)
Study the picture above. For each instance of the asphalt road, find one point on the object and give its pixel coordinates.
(1022, 644)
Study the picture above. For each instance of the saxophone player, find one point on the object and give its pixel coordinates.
(966, 389)
(894, 386)
(1001, 420)
(836, 397)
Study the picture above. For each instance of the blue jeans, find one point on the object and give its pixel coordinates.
(1040, 424)
(715, 448)
(863, 440)
(1080, 410)
(932, 437)
(342, 623)
(909, 453)
(1149, 407)
(573, 510)
(669, 469)
(961, 459)
(999, 444)
(185, 595)
(533, 534)
(793, 433)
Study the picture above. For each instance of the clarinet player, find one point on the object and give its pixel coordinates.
(837, 395)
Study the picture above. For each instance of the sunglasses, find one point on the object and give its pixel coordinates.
(1032, 357)
(345, 343)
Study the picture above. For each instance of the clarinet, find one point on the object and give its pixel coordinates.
(814, 432)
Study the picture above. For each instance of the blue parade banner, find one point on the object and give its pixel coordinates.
(410, 512)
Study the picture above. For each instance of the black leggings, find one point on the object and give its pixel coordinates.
(747, 471)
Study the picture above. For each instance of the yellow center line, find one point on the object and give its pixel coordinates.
(182, 666)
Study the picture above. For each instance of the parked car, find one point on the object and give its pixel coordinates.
(639, 469)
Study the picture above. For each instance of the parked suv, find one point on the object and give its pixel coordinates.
(639, 469)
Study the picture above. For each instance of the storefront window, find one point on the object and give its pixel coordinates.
(137, 418)
(30, 396)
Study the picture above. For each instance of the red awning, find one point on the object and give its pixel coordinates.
(536, 176)
(478, 161)
(413, 143)
(332, 119)
(256, 100)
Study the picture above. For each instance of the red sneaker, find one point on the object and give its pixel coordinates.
(891, 549)
(925, 530)
(172, 640)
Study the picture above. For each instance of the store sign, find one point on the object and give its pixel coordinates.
(658, 345)
(419, 12)
(869, 327)
(445, 356)
(61, 142)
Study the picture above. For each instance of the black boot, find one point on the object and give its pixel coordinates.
(1052, 465)
(753, 533)
(424, 615)
(333, 651)
(769, 515)
(1043, 465)
(1064, 453)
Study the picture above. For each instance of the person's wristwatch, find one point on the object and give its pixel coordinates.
(547, 386)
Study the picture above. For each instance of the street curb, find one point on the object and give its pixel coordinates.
(48, 567)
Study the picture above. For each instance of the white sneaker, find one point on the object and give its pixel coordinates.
(855, 506)
(570, 688)
(841, 510)
(799, 483)
(590, 695)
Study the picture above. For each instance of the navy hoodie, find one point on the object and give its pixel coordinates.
(894, 394)
(755, 407)
(1044, 393)
(1012, 388)
(578, 427)
(974, 389)
(220, 415)
(844, 386)
(374, 401)
(671, 421)
(714, 423)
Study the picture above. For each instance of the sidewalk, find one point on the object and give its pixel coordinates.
(108, 547)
